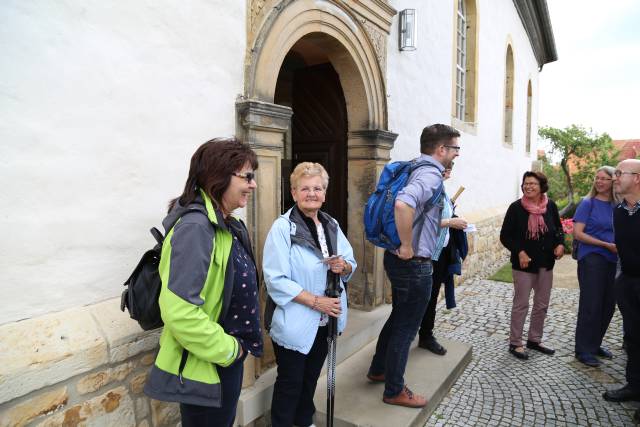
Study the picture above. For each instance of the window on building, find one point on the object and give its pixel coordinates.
(464, 107)
(461, 60)
(508, 98)
(529, 101)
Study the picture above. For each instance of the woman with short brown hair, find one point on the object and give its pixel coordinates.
(533, 234)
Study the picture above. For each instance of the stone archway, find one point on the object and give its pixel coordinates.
(353, 34)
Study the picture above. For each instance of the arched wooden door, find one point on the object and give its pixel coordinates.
(319, 132)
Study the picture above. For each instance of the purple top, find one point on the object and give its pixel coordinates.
(421, 185)
(597, 216)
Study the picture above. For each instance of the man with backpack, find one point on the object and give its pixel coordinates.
(417, 210)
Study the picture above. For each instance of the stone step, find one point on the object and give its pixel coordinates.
(358, 402)
(363, 327)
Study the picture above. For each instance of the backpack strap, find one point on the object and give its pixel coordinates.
(157, 235)
(417, 164)
(435, 198)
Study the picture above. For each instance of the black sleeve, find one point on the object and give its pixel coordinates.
(510, 236)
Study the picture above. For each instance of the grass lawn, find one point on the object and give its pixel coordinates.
(503, 274)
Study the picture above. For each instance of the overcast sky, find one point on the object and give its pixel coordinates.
(596, 80)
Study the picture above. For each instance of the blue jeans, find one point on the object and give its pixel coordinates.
(596, 277)
(410, 292)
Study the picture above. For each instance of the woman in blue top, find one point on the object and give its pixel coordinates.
(593, 228)
(295, 264)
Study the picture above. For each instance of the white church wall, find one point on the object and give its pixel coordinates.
(101, 106)
(420, 93)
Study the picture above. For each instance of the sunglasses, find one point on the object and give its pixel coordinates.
(249, 176)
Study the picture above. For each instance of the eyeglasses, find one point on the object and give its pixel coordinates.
(602, 179)
(453, 147)
(311, 190)
(530, 184)
(619, 173)
(249, 176)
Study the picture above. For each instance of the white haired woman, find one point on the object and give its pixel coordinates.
(597, 259)
(295, 274)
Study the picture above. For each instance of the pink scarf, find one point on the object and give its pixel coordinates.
(536, 225)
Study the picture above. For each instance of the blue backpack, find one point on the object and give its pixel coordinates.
(379, 219)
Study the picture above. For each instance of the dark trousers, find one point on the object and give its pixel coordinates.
(295, 385)
(410, 291)
(206, 416)
(596, 277)
(629, 304)
(440, 273)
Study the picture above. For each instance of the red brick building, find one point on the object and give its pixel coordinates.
(629, 148)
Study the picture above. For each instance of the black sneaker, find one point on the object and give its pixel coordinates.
(432, 345)
(623, 394)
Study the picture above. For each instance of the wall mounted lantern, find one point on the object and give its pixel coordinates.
(408, 30)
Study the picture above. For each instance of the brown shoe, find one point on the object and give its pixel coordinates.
(376, 378)
(406, 398)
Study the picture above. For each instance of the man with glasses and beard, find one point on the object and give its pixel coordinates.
(409, 268)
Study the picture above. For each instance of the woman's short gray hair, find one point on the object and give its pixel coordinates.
(309, 169)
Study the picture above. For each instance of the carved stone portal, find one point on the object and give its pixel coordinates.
(374, 15)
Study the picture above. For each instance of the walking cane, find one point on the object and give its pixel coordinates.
(332, 291)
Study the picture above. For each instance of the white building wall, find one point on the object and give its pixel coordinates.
(101, 106)
(420, 93)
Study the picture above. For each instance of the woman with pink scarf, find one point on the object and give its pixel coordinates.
(532, 232)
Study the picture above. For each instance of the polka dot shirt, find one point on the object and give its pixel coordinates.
(243, 317)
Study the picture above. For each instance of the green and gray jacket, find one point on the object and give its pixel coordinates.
(197, 282)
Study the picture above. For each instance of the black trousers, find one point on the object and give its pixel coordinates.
(206, 416)
(296, 382)
(596, 277)
(440, 273)
(629, 303)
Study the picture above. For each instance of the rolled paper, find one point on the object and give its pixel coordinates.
(455, 196)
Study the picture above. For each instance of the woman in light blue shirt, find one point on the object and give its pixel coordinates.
(297, 254)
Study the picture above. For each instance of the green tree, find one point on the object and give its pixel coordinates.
(557, 181)
(581, 152)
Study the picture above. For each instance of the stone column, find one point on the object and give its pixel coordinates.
(263, 126)
(368, 152)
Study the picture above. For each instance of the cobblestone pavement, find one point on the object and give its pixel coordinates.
(496, 389)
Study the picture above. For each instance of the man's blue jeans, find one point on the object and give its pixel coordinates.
(411, 289)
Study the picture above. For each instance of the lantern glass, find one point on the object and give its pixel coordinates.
(408, 30)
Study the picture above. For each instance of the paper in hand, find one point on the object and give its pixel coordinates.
(471, 228)
(331, 258)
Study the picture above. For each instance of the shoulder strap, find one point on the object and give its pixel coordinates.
(417, 164)
(430, 203)
(590, 206)
(157, 235)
